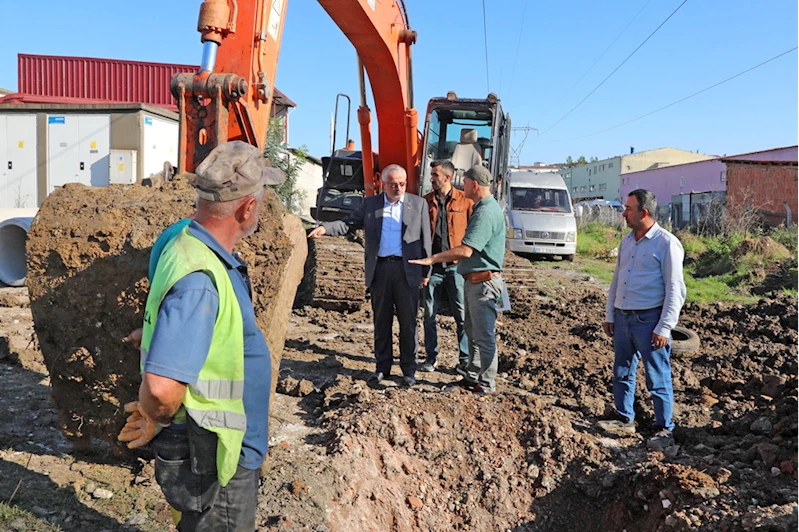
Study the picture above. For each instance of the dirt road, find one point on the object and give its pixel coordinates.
(347, 457)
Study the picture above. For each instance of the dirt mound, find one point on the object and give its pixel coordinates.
(533, 461)
(785, 278)
(764, 247)
(449, 461)
(88, 252)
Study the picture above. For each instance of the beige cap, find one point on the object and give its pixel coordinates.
(479, 174)
(234, 170)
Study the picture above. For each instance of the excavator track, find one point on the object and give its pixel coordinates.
(518, 272)
(334, 273)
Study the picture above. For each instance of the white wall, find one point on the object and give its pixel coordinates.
(160, 144)
(309, 179)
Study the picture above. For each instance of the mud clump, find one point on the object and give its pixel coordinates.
(88, 253)
(451, 461)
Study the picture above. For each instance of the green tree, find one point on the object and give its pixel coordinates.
(277, 154)
(569, 162)
(581, 160)
(593, 160)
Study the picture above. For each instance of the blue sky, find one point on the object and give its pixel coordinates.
(705, 42)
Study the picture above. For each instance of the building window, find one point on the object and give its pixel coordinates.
(724, 176)
(594, 169)
(575, 189)
(603, 167)
(610, 165)
(582, 188)
(593, 188)
(589, 172)
(682, 181)
(603, 186)
(638, 185)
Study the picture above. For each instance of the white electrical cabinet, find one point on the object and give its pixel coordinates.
(18, 161)
(160, 144)
(78, 150)
(122, 170)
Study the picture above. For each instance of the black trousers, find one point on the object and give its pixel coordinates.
(190, 486)
(391, 296)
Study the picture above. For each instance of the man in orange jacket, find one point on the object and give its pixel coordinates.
(450, 211)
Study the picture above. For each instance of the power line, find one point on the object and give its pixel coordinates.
(518, 46)
(687, 97)
(606, 51)
(614, 70)
(485, 40)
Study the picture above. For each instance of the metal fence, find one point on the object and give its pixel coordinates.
(697, 209)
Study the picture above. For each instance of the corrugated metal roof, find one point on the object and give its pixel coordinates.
(110, 80)
(98, 79)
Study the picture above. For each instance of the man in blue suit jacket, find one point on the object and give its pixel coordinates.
(397, 229)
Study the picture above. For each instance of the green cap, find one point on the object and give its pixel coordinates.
(479, 174)
(234, 170)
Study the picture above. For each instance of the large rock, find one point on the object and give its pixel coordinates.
(88, 251)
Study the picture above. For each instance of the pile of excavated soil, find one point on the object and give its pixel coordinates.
(88, 252)
(529, 457)
(762, 247)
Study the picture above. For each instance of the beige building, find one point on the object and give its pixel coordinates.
(603, 179)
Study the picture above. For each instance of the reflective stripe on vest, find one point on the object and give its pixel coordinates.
(218, 419)
(218, 389)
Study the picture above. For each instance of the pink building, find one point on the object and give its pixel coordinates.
(700, 176)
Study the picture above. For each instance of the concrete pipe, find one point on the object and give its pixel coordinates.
(7, 214)
(13, 236)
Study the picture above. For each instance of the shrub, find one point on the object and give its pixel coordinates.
(289, 193)
(597, 240)
(692, 244)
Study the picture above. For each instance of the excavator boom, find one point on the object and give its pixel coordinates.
(230, 98)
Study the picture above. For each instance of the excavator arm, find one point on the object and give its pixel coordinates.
(230, 97)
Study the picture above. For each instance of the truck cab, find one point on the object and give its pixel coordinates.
(538, 214)
(467, 131)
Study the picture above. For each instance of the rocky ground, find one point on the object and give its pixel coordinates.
(347, 457)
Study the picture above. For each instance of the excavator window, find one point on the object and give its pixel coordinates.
(461, 135)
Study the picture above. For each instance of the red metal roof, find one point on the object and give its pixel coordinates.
(110, 80)
(98, 79)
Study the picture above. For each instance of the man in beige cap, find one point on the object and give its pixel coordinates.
(480, 257)
(206, 370)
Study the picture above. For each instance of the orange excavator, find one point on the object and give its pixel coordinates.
(230, 97)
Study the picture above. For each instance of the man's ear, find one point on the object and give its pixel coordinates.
(247, 208)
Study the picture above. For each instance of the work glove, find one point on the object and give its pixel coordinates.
(139, 428)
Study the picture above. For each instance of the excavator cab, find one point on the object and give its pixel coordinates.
(343, 189)
(466, 131)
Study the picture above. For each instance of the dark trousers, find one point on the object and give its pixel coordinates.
(391, 296)
(190, 486)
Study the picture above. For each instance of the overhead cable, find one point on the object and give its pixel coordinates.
(518, 46)
(485, 40)
(614, 70)
(687, 97)
(585, 73)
